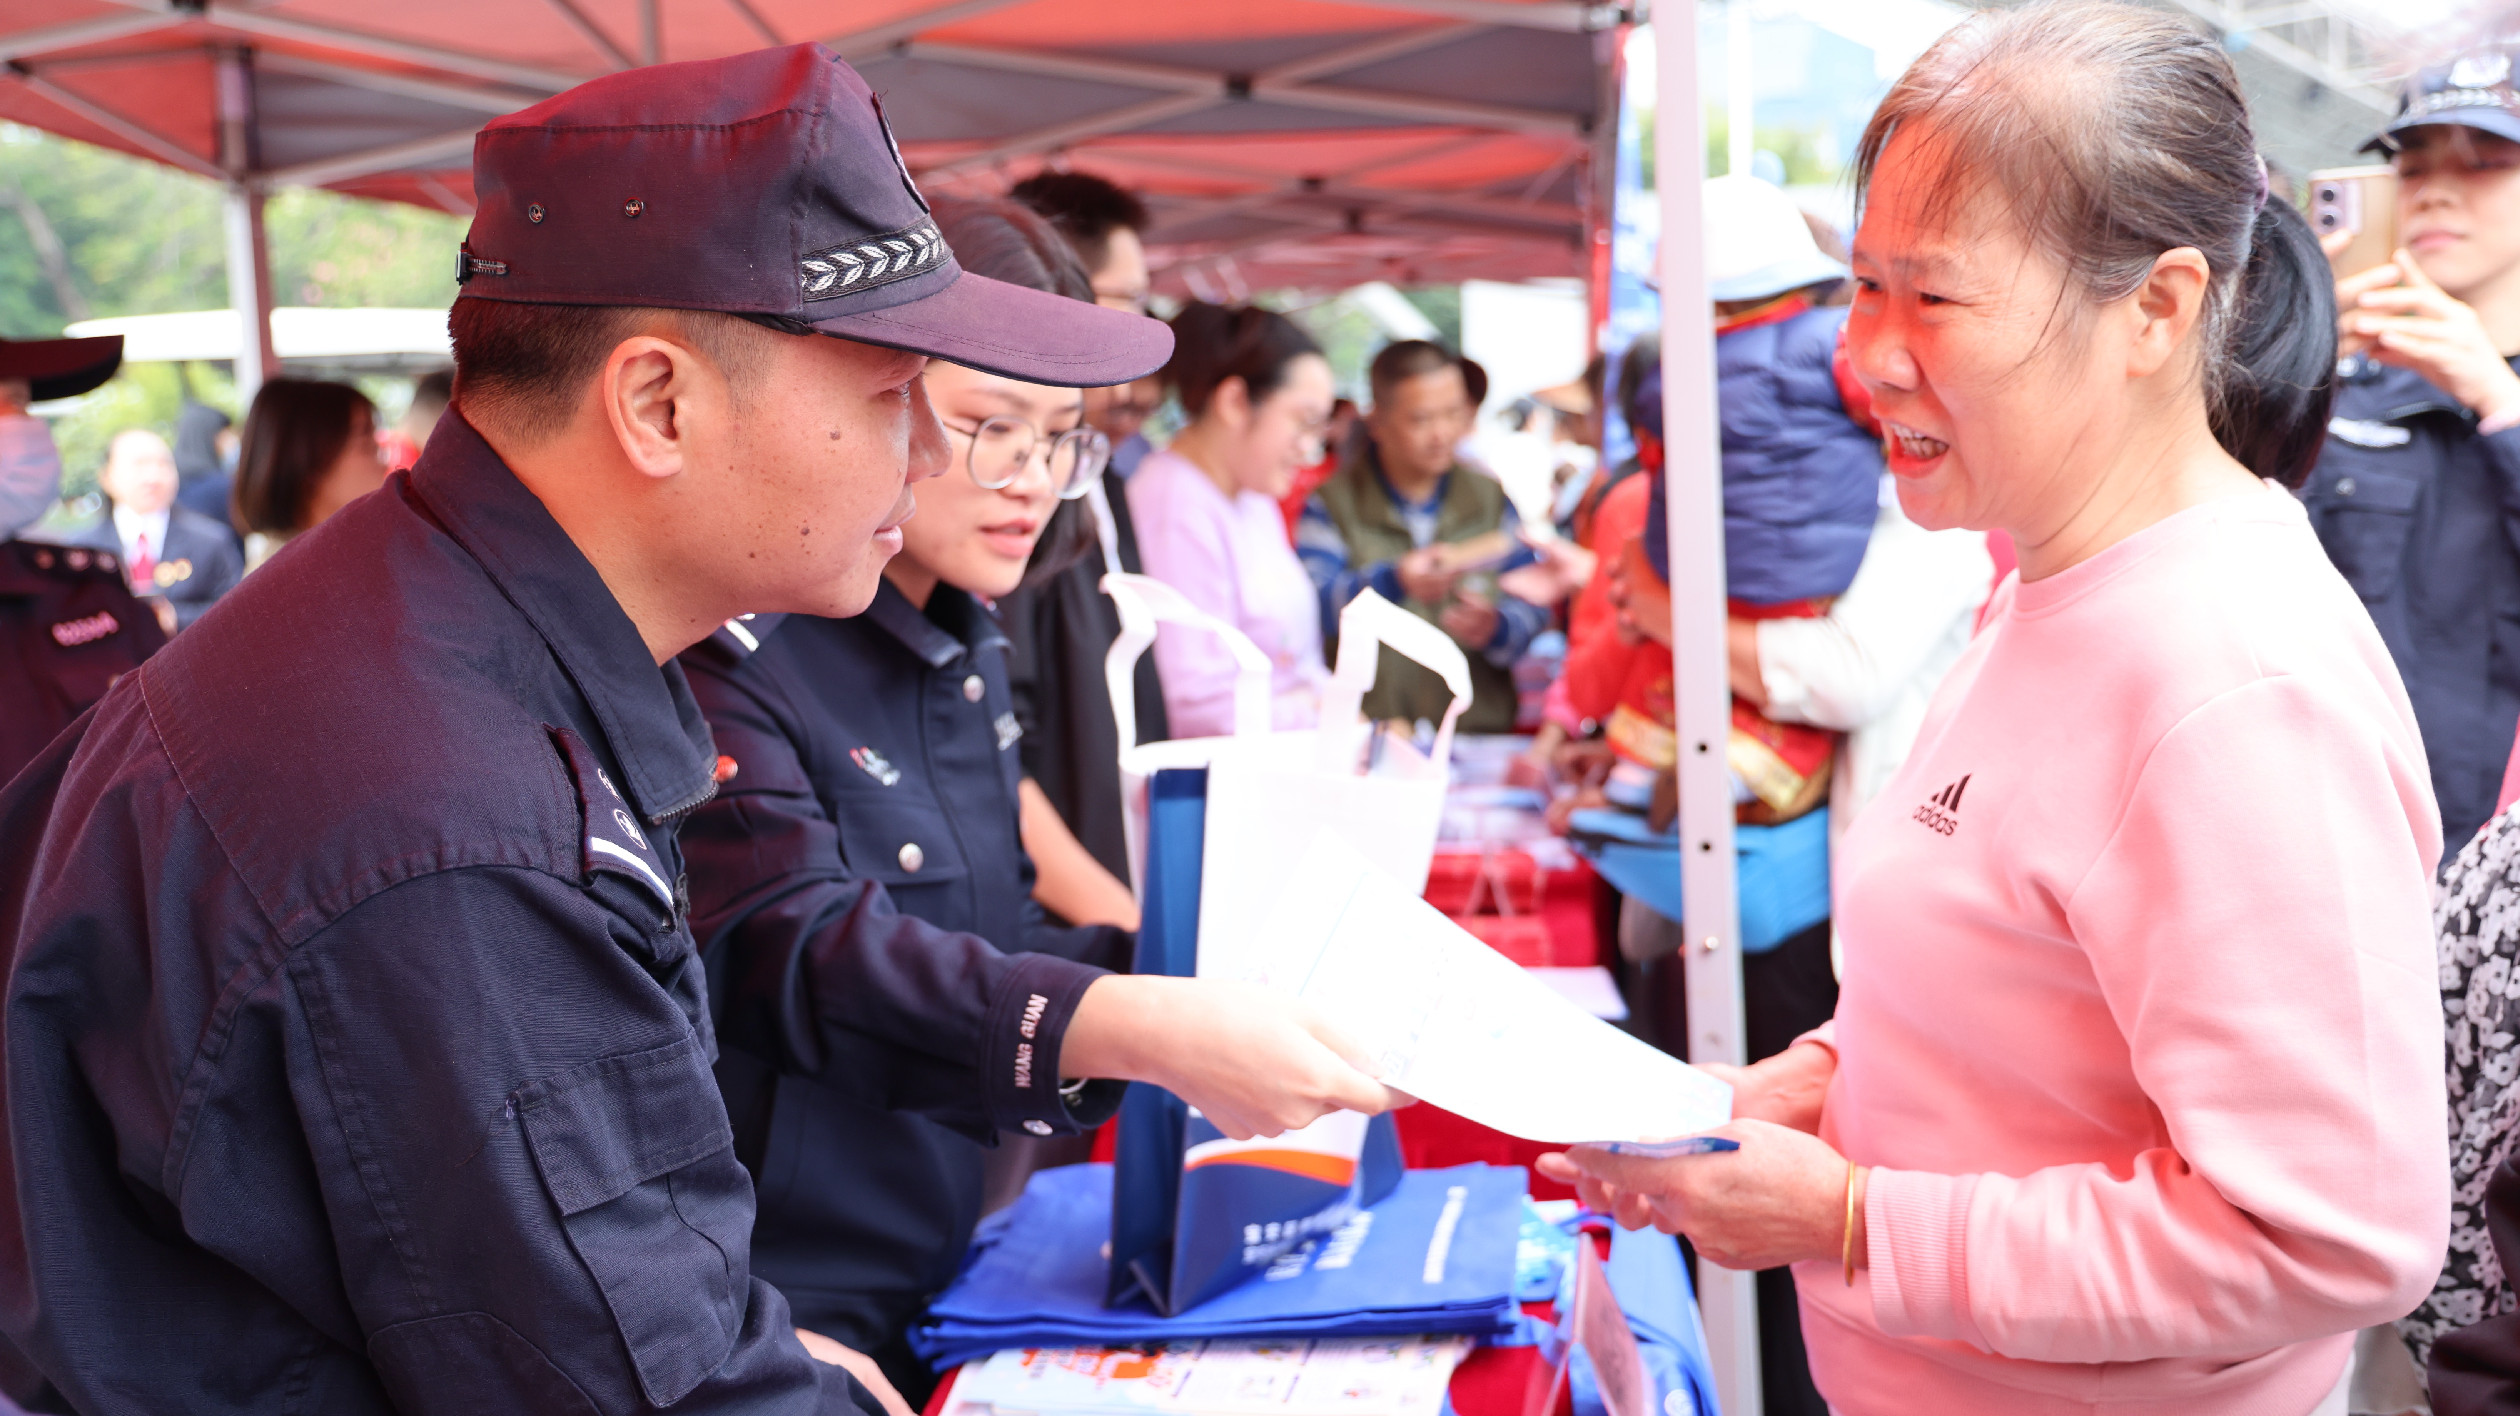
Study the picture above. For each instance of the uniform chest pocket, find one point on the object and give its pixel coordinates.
(636, 1153)
(902, 840)
(2365, 515)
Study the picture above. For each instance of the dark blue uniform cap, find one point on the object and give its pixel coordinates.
(764, 184)
(2472, 91)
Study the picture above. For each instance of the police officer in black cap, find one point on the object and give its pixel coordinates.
(69, 626)
(2417, 493)
(356, 1052)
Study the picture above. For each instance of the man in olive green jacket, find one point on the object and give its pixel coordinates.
(1402, 517)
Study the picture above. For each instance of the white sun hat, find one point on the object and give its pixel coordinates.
(1757, 244)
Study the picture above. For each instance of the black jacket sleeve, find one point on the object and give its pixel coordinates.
(529, 1178)
(813, 971)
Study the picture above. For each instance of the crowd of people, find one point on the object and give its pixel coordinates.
(583, 898)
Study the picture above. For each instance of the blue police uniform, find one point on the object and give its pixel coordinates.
(356, 1048)
(871, 823)
(2421, 513)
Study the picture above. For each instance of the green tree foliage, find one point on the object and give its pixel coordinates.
(1797, 150)
(87, 233)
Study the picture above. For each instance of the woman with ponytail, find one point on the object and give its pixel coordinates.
(2133, 1097)
(1258, 393)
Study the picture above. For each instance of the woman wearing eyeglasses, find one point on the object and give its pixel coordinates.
(867, 813)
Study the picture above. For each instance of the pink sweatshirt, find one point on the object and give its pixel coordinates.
(1231, 559)
(2140, 1024)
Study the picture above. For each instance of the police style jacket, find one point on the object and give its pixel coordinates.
(2421, 513)
(69, 627)
(870, 827)
(356, 1049)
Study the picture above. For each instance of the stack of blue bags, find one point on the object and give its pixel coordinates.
(1437, 1256)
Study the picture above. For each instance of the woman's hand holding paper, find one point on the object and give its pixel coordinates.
(1783, 1198)
(1253, 1062)
(1786, 1089)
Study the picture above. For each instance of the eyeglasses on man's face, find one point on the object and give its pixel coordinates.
(1002, 448)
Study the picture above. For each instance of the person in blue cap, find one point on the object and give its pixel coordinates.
(355, 1051)
(2417, 493)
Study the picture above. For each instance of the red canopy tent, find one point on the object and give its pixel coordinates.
(1311, 143)
(1306, 143)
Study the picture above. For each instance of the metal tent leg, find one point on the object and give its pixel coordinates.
(249, 290)
(1693, 482)
(248, 252)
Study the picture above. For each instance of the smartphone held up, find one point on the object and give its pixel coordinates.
(2361, 202)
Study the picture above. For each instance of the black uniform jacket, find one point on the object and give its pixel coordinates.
(200, 562)
(69, 627)
(357, 1053)
(1059, 632)
(2422, 515)
(869, 833)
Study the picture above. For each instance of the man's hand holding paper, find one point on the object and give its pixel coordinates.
(1253, 1063)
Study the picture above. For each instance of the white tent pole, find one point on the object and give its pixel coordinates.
(248, 252)
(1740, 112)
(1711, 933)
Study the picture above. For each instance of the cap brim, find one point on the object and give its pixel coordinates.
(1016, 332)
(2499, 122)
(61, 368)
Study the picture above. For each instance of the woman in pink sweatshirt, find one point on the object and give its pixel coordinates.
(2133, 1101)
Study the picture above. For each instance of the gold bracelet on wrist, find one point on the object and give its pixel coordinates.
(1846, 1246)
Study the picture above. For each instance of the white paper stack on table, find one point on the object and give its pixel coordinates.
(1386, 1376)
(1447, 1019)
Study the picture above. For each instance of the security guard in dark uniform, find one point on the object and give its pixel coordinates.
(72, 627)
(2416, 495)
(357, 1055)
(69, 626)
(869, 812)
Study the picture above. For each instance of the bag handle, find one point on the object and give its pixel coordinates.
(1367, 624)
(1144, 602)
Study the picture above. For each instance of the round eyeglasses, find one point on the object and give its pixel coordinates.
(1002, 448)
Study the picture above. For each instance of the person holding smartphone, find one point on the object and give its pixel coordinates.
(2417, 493)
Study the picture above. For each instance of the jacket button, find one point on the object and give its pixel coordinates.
(973, 688)
(1038, 1128)
(2344, 486)
(912, 857)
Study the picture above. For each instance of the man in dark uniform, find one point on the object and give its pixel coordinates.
(68, 625)
(2417, 494)
(357, 1056)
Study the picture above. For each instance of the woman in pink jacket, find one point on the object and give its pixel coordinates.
(2133, 1100)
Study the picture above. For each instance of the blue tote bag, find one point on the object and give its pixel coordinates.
(1195, 1213)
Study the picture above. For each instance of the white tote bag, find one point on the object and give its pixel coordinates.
(1269, 793)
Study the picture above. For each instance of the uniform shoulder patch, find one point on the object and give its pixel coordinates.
(614, 841)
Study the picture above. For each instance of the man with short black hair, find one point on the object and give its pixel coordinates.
(356, 1054)
(1403, 517)
(1104, 222)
